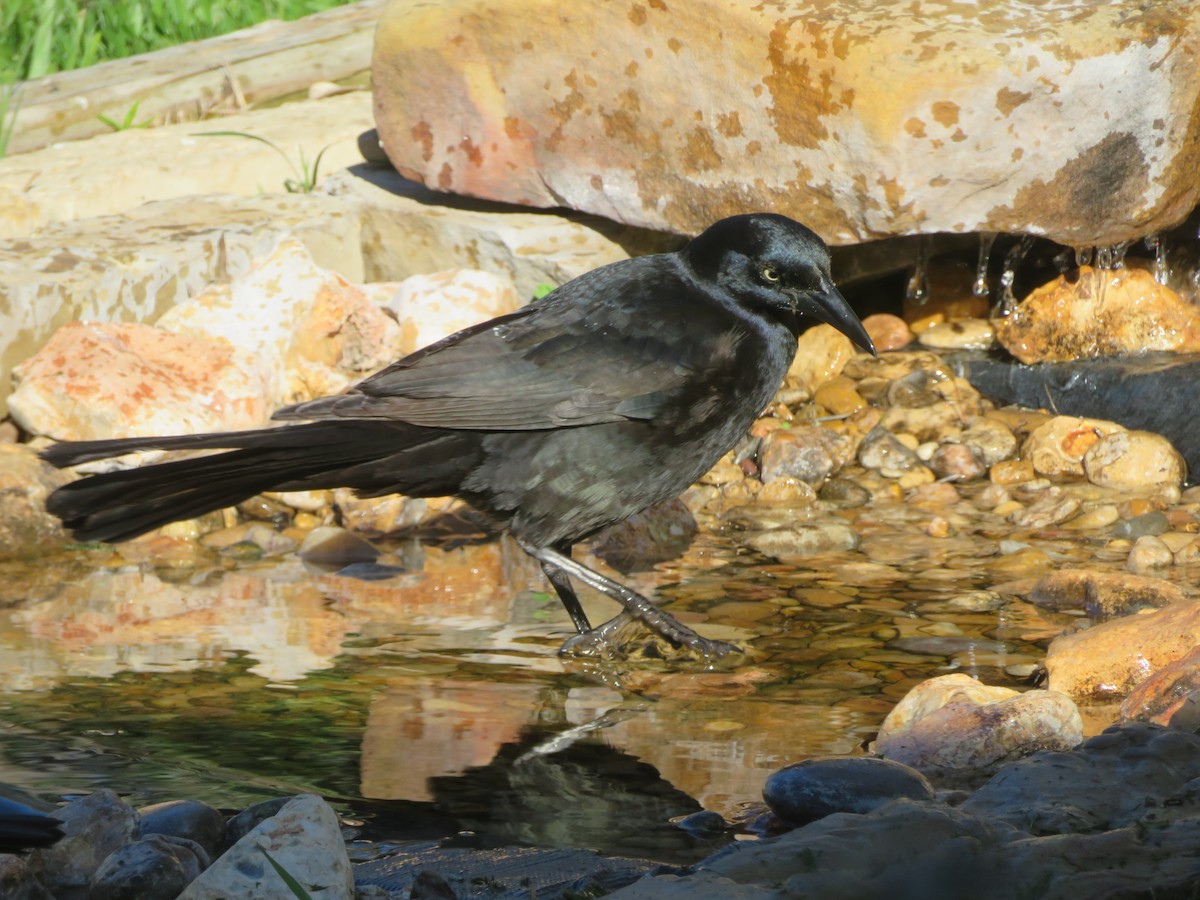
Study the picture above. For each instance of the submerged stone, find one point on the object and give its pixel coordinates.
(806, 791)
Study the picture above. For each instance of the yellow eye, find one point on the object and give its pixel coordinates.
(770, 273)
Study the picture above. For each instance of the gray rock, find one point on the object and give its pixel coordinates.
(881, 450)
(304, 839)
(806, 791)
(96, 826)
(1151, 523)
(252, 816)
(189, 819)
(158, 867)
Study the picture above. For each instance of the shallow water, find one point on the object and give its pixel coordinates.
(434, 703)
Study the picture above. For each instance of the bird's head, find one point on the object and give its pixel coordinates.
(776, 266)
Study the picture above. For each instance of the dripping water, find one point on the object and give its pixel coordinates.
(980, 287)
(1158, 246)
(1012, 259)
(918, 283)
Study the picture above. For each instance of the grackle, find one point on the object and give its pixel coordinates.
(612, 393)
(23, 827)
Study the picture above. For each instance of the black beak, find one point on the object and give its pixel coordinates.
(829, 306)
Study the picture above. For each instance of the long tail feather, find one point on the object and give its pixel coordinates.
(373, 457)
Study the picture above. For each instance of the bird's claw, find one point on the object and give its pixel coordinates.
(623, 637)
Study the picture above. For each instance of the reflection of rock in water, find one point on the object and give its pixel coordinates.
(1149, 393)
(585, 795)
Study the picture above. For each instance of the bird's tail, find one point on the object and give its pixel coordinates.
(374, 457)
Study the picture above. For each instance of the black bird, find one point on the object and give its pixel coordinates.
(612, 393)
(22, 827)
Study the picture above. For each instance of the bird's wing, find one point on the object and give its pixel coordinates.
(545, 366)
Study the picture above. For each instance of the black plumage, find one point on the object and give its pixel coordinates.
(612, 393)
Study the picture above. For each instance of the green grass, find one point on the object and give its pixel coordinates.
(40, 37)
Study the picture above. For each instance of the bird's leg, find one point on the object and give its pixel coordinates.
(566, 593)
(635, 604)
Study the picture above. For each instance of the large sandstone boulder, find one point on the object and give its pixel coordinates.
(863, 119)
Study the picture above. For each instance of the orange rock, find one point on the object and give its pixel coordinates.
(1058, 447)
(1107, 661)
(1091, 313)
(888, 332)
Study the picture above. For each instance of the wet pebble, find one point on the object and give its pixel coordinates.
(839, 396)
(158, 867)
(992, 440)
(888, 332)
(810, 790)
(959, 334)
(808, 453)
(804, 540)
(1154, 522)
(1053, 506)
(336, 547)
(1012, 472)
(1132, 460)
(957, 462)
(881, 450)
(844, 493)
(1148, 554)
(704, 823)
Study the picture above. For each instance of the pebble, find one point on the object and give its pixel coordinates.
(957, 462)
(158, 867)
(1009, 472)
(189, 819)
(888, 332)
(1094, 519)
(844, 493)
(959, 334)
(1153, 523)
(1053, 506)
(839, 396)
(1148, 554)
(332, 546)
(810, 790)
(803, 540)
(1133, 460)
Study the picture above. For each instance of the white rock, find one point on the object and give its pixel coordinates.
(304, 838)
(430, 307)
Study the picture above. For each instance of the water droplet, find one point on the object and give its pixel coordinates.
(1083, 256)
(918, 282)
(1012, 259)
(980, 287)
(1159, 246)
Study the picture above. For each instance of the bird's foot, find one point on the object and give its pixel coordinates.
(625, 637)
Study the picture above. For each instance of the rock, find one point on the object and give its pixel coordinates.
(955, 724)
(1058, 447)
(1148, 554)
(844, 493)
(1014, 471)
(803, 540)
(250, 540)
(822, 352)
(94, 381)
(808, 453)
(806, 791)
(957, 462)
(1102, 594)
(158, 867)
(1107, 661)
(1092, 312)
(168, 252)
(704, 824)
(115, 173)
(17, 882)
(881, 450)
(189, 819)
(26, 529)
(958, 334)
(303, 838)
(1133, 460)
(645, 539)
(253, 816)
(1113, 780)
(336, 547)
(312, 330)
(431, 307)
(839, 396)
(408, 230)
(95, 825)
(916, 389)
(1165, 692)
(990, 439)
(1153, 522)
(798, 119)
(887, 332)
(1052, 506)
(379, 516)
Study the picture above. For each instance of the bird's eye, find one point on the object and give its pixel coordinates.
(770, 273)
